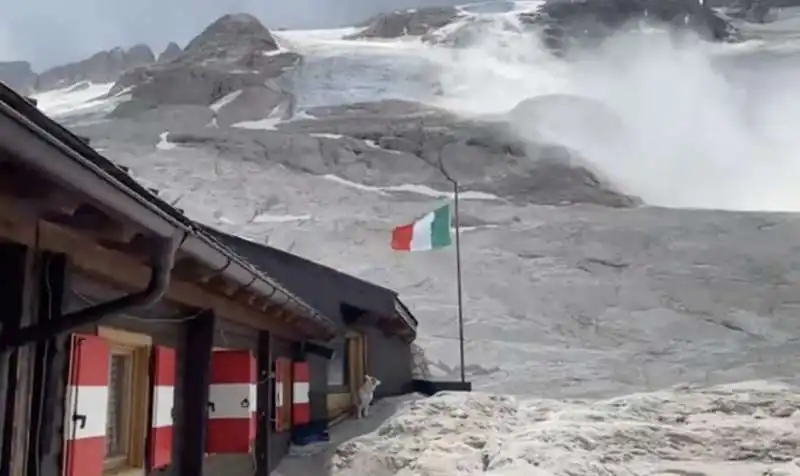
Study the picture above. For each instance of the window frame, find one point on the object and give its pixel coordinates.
(342, 348)
(136, 348)
(120, 461)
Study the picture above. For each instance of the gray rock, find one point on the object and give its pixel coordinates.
(138, 55)
(171, 52)
(414, 140)
(102, 67)
(407, 22)
(399, 144)
(568, 23)
(18, 75)
(235, 53)
(241, 32)
(783, 411)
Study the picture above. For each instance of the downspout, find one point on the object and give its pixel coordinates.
(161, 262)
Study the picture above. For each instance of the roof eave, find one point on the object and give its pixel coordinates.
(38, 147)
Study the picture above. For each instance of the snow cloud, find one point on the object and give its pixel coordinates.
(675, 120)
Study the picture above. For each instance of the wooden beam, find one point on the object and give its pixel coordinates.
(94, 222)
(127, 272)
(21, 184)
(188, 270)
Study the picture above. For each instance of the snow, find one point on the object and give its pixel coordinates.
(267, 218)
(266, 124)
(225, 100)
(745, 429)
(326, 135)
(316, 35)
(163, 144)
(318, 464)
(73, 99)
(411, 188)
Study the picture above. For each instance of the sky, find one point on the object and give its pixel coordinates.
(52, 32)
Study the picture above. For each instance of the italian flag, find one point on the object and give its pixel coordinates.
(428, 233)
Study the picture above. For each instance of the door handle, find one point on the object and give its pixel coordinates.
(80, 420)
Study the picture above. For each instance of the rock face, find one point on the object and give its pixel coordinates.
(235, 57)
(756, 11)
(566, 23)
(412, 22)
(18, 75)
(392, 143)
(102, 67)
(171, 52)
(581, 22)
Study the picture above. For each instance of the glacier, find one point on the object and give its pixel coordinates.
(659, 339)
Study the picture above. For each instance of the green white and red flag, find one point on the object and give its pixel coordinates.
(431, 232)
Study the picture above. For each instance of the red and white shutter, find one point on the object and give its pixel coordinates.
(86, 410)
(301, 403)
(232, 402)
(161, 432)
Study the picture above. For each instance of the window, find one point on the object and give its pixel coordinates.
(128, 392)
(120, 390)
(337, 365)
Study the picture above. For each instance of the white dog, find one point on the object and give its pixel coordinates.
(365, 395)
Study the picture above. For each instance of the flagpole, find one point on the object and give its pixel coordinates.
(458, 272)
(458, 280)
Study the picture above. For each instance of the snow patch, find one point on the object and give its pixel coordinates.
(266, 124)
(301, 36)
(75, 98)
(267, 218)
(750, 428)
(225, 100)
(277, 52)
(269, 123)
(411, 188)
(326, 135)
(163, 143)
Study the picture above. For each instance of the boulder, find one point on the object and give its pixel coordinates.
(102, 67)
(236, 56)
(568, 23)
(171, 52)
(410, 22)
(18, 75)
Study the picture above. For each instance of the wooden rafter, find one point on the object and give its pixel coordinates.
(129, 273)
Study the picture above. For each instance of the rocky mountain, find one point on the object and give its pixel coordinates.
(102, 67)
(564, 23)
(234, 57)
(410, 22)
(18, 75)
(567, 21)
(171, 52)
(564, 267)
(233, 80)
(391, 143)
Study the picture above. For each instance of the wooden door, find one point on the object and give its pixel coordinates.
(357, 363)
